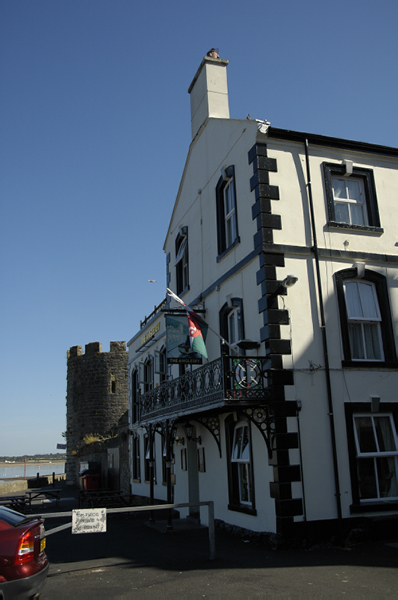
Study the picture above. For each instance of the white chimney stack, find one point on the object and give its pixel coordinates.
(209, 91)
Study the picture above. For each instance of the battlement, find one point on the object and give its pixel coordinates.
(96, 348)
(96, 397)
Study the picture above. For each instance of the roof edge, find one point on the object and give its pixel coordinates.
(323, 140)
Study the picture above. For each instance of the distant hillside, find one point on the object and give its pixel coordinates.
(34, 457)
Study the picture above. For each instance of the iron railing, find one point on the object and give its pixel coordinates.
(224, 381)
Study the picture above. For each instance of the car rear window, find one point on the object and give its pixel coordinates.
(11, 517)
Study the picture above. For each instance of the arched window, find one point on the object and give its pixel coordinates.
(240, 456)
(134, 395)
(161, 368)
(363, 320)
(146, 374)
(136, 457)
(240, 465)
(227, 220)
(181, 262)
(366, 325)
(231, 323)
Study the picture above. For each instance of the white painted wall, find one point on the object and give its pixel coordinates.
(225, 142)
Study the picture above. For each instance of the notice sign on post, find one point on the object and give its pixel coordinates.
(89, 520)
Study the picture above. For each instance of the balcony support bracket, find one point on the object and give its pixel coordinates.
(212, 424)
(262, 419)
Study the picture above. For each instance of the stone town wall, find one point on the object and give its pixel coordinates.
(97, 399)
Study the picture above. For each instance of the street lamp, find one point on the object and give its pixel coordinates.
(188, 428)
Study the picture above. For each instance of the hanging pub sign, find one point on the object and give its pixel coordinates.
(177, 341)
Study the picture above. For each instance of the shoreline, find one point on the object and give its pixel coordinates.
(37, 463)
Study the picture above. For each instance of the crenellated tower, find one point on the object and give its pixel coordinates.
(97, 398)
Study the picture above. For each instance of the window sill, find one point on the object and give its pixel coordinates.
(243, 509)
(136, 480)
(227, 250)
(381, 506)
(371, 364)
(356, 228)
(184, 291)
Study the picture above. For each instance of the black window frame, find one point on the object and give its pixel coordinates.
(147, 459)
(366, 175)
(228, 177)
(181, 285)
(134, 391)
(136, 467)
(233, 475)
(351, 409)
(161, 366)
(226, 309)
(386, 325)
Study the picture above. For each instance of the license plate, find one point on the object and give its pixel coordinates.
(42, 544)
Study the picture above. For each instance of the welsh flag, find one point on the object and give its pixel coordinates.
(196, 326)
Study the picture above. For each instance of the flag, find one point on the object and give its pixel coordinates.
(196, 326)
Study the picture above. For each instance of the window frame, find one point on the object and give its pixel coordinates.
(234, 480)
(182, 261)
(377, 453)
(134, 394)
(356, 409)
(386, 326)
(136, 466)
(331, 170)
(148, 374)
(147, 459)
(161, 366)
(235, 305)
(363, 320)
(227, 181)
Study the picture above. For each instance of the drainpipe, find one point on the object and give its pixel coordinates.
(169, 450)
(151, 435)
(324, 342)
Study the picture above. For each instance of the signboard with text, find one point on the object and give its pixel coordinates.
(177, 342)
(89, 520)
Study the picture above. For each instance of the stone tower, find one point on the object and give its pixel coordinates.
(96, 400)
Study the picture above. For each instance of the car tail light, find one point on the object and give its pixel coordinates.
(26, 548)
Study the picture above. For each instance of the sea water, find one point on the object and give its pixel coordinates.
(18, 471)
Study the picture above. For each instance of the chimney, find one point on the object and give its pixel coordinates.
(209, 91)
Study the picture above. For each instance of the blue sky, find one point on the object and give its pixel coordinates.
(95, 128)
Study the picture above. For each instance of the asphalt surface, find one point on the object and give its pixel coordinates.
(133, 560)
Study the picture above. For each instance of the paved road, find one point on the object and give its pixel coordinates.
(132, 560)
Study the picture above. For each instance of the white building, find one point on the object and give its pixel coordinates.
(287, 243)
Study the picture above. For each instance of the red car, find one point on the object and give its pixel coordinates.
(23, 561)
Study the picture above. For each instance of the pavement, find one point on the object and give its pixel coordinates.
(134, 560)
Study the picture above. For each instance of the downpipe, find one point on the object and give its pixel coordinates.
(325, 346)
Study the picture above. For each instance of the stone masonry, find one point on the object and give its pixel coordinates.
(97, 405)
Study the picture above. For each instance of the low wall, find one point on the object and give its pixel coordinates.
(10, 486)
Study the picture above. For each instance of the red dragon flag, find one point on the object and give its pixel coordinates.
(196, 326)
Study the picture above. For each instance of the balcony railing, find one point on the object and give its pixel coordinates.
(225, 381)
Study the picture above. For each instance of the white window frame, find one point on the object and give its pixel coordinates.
(181, 262)
(229, 212)
(234, 327)
(377, 454)
(243, 463)
(148, 374)
(147, 449)
(136, 448)
(161, 367)
(362, 320)
(351, 202)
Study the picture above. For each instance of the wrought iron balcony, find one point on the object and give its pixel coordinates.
(225, 382)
